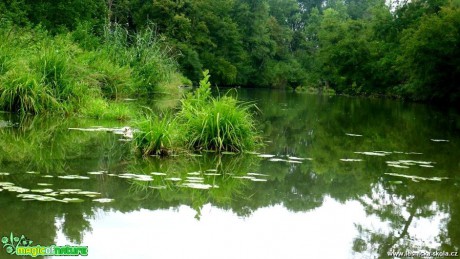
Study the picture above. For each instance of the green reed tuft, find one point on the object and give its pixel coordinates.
(203, 123)
(220, 124)
(156, 136)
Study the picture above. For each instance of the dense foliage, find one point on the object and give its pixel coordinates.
(406, 49)
(41, 73)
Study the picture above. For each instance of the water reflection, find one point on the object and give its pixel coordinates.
(329, 182)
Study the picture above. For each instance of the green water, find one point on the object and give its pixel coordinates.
(337, 177)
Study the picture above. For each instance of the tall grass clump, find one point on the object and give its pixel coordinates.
(145, 52)
(203, 123)
(38, 73)
(156, 135)
(220, 124)
(99, 108)
(113, 81)
(22, 91)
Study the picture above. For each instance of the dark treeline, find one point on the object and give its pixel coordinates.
(408, 49)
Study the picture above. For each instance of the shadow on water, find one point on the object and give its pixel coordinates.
(399, 161)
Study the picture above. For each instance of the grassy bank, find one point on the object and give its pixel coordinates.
(78, 73)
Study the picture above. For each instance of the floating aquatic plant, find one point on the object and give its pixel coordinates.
(103, 200)
(418, 178)
(350, 160)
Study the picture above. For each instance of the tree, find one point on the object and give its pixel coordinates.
(430, 57)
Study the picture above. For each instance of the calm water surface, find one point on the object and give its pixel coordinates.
(337, 177)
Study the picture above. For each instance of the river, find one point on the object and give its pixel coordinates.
(337, 177)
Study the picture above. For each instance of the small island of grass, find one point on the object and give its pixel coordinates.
(204, 122)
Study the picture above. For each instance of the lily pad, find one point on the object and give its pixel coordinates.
(416, 162)
(371, 153)
(12, 188)
(32, 172)
(194, 173)
(52, 194)
(44, 184)
(97, 172)
(418, 178)
(266, 155)
(4, 174)
(194, 181)
(88, 193)
(36, 197)
(103, 200)
(350, 160)
(70, 190)
(6, 184)
(157, 173)
(127, 175)
(144, 178)
(197, 186)
(195, 178)
(353, 135)
(277, 160)
(66, 200)
(257, 174)
(258, 180)
(440, 140)
(42, 190)
(244, 177)
(73, 177)
(294, 161)
(298, 158)
(428, 166)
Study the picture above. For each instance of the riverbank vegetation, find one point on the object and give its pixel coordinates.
(42, 73)
(204, 122)
(404, 49)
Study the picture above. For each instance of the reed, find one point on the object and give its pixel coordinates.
(220, 124)
(156, 135)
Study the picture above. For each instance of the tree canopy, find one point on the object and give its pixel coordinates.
(407, 49)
